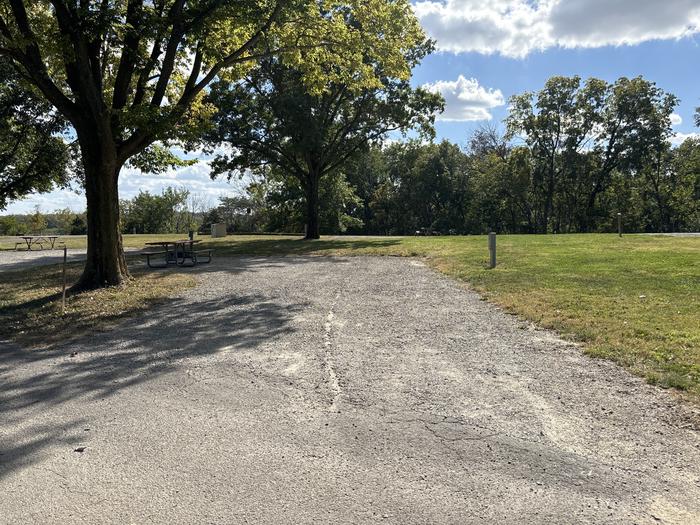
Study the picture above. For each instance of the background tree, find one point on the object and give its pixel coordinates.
(33, 157)
(195, 207)
(669, 186)
(237, 213)
(279, 204)
(434, 188)
(79, 225)
(61, 221)
(273, 120)
(365, 173)
(128, 73)
(579, 135)
(498, 191)
(9, 225)
(164, 213)
(686, 194)
(37, 222)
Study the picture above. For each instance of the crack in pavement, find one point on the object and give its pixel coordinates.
(328, 358)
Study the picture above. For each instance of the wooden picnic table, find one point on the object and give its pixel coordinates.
(182, 250)
(32, 240)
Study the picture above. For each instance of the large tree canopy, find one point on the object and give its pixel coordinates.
(128, 73)
(580, 134)
(32, 156)
(272, 120)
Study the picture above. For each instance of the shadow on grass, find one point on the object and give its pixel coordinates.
(30, 302)
(296, 246)
(49, 385)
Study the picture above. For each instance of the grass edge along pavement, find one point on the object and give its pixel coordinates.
(634, 300)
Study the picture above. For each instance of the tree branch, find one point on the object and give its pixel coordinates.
(233, 58)
(171, 48)
(127, 61)
(35, 68)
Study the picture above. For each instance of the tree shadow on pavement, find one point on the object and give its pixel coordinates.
(35, 385)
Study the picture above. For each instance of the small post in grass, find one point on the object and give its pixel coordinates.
(492, 249)
(65, 259)
(619, 224)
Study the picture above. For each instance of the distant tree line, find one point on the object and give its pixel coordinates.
(59, 222)
(174, 210)
(572, 156)
(409, 188)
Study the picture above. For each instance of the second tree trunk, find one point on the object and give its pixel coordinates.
(312, 208)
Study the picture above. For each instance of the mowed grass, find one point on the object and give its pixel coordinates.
(635, 299)
(80, 241)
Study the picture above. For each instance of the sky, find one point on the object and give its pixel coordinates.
(489, 50)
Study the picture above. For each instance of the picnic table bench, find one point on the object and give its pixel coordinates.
(182, 251)
(34, 240)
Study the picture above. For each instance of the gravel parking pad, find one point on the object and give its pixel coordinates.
(336, 390)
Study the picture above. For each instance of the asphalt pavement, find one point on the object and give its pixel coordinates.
(336, 390)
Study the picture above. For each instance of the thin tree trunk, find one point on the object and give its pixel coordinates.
(548, 205)
(105, 264)
(312, 207)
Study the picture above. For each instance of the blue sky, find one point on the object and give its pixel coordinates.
(673, 65)
(490, 50)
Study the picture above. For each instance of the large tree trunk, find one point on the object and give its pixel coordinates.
(106, 264)
(312, 207)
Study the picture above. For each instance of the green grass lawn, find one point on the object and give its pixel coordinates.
(635, 299)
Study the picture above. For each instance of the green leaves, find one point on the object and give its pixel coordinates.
(144, 66)
(32, 155)
(158, 159)
(273, 118)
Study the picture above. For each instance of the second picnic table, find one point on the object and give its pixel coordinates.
(181, 251)
(32, 240)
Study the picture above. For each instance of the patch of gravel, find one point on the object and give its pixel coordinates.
(336, 390)
(11, 260)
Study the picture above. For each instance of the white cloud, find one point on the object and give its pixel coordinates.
(678, 138)
(465, 99)
(193, 178)
(53, 200)
(676, 119)
(515, 28)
